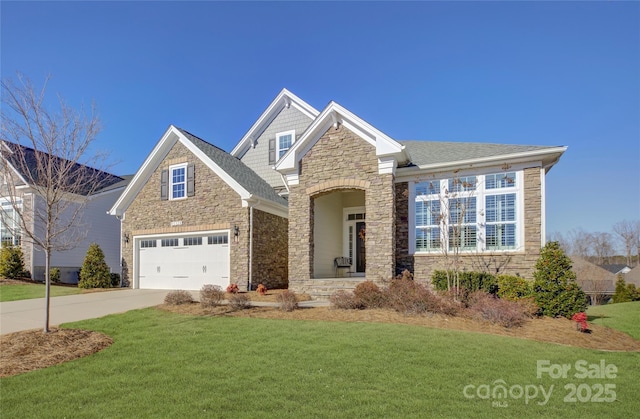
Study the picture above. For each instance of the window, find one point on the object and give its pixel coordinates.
(192, 241)
(218, 239)
(169, 243)
(284, 140)
(148, 243)
(10, 233)
(472, 213)
(178, 176)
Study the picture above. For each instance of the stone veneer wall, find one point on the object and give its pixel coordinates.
(214, 206)
(270, 247)
(521, 263)
(341, 160)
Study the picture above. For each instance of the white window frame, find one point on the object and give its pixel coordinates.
(480, 194)
(282, 151)
(16, 239)
(172, 183)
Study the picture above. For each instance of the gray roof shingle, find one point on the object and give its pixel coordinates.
(241, 173)
(434, 152)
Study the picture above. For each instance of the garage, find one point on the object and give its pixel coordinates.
(186, 261)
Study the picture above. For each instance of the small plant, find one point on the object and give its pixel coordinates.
(495, 310)
(115, 280)
(406, 274)
(514, 288)
(11, 261)
(54, 274)
(581, 321)
(410, 297)
(211, 295)
(344, 300)
(239, 302)
(288, 300)
(95, 272)
(368, 295)
(262, 290)
(232, 289)
(178, 297)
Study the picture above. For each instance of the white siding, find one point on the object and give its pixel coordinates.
(100, 228)
(257, 158)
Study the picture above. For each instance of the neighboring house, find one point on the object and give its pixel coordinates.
(100, 228)
(351, 191)
(598, 283)
(616, 269)
(633, 276)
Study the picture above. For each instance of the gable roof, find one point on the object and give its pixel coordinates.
(387, 149)
(251, 188)
(616, 268)
(633, 276)
(440, 154)
(592, 278)
(284, 99)
(15, 154)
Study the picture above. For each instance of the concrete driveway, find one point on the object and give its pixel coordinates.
(29, 314)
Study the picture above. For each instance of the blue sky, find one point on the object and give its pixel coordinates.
(540, 73)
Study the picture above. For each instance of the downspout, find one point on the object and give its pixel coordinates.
(250, 247)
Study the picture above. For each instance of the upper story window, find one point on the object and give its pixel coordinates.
(472, 213)
(177, 182)
(284, 140)
(178, 178)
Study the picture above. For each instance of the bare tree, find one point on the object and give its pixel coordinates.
(580, 242)
(603, 248)
(50, 169)
(628, 233)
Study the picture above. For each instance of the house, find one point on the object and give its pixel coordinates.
(633, 276)
(20, 191)
(327, 184)
(598, 283)
(617, 269)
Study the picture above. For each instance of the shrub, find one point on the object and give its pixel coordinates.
(239, 301)
(513, 288)
(496, 310)
(262, 290)
(410, 297)
(54, 274)
(232, 288)
(624, 292)
(288, 300)
(555, 288)
(406, 274)
(11, 262)
(115, 280)
(211, 295)
(95, 271)
(471, 281)
(178, 297)
(344, 300)
(368, 295)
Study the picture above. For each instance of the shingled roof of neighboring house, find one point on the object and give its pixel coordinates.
(592, 278)
(104, 180)
(633, 276)
(616, 268)
(235, 168)
(435, 152)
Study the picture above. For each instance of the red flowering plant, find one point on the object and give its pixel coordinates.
(581, 321)
(262, 290)
(232, 289)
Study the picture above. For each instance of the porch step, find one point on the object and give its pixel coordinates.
(321, 289)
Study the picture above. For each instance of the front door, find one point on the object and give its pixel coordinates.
(361, 260)
(355, 229)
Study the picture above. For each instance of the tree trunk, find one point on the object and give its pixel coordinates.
(47, 280)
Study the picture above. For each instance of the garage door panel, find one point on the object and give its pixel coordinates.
(184, 267)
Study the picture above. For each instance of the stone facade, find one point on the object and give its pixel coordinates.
(514, 263)
(341, 160)
(215, 206)
(270, 245)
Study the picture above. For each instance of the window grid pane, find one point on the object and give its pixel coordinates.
(178, 182)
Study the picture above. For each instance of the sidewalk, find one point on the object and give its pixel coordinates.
(21, 315)
(29, 314)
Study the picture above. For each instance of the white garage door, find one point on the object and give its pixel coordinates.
(183, 262)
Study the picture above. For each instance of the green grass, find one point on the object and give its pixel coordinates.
(168, 365)
(621, 316)
(29, 291)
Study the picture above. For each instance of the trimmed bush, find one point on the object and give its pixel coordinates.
(115, 280)
(471, 281)
(496, 310)
(239, 301)
(288, 300)
(95, 272)
(344, 300)
(211, 295)
(54, 274)
(514, 288)
(369, 295)
(410, 297)
(178, 297)
(555, 288)
(262, 290)
(11, 261)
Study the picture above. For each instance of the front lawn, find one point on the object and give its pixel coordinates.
(621, 316)
(27, 291)
(164, 364)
